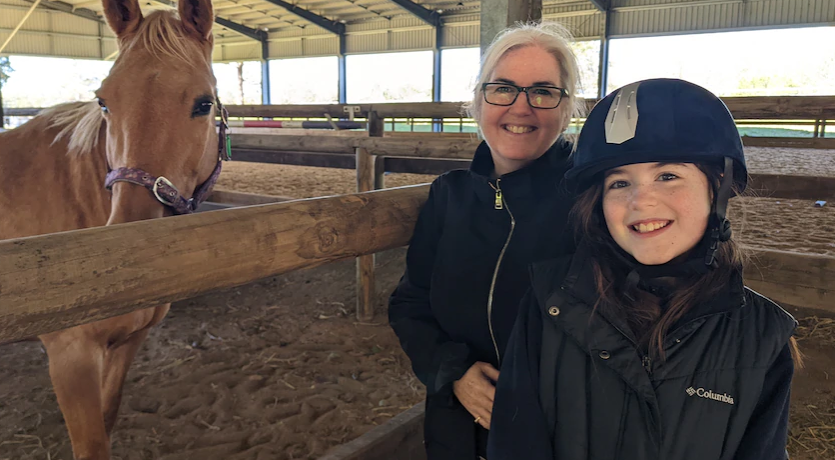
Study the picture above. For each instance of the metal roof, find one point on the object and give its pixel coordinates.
(75, 28)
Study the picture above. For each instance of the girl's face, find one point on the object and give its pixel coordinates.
(656, 212)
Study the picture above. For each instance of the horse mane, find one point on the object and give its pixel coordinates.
(81, 122)
(162, 35)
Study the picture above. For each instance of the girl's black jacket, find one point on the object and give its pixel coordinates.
(575, 387)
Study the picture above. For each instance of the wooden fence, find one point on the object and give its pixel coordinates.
(372, 157)
(59, 280)
(816, 111)
(426, 155)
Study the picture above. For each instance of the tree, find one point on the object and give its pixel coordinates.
(5, 72)
(239, 66)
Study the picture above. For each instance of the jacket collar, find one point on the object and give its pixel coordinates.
(547, 169)
(580, 283)
(592, 331)
(555, 157)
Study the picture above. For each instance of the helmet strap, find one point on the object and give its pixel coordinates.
(720, 226)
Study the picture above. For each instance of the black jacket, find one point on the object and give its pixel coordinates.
(722, 392)
(461, 240)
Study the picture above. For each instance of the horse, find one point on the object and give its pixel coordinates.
(148, 147)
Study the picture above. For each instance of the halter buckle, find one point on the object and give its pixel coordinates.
(165, 198)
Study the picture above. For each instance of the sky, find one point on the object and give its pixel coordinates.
(767, 62)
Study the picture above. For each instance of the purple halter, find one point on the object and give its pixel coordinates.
(163, 190)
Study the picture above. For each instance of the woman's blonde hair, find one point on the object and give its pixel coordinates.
(553, 38)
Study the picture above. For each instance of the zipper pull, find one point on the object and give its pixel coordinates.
(499, 204)
(647, 364)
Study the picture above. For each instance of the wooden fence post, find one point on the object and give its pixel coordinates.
(376, 125)
(368, 178)
(365, 264)
(379, 172)
(376, 128)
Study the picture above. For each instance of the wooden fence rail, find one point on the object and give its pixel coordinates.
(426, 156)
(399, 147)
(55, 281)
(743, 108)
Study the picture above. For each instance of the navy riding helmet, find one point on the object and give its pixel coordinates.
(663, 120)
(658, 120)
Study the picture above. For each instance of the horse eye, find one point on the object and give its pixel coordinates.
(202, 108)
(103, 106)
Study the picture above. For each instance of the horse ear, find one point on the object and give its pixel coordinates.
(123, 16)
(198, 17)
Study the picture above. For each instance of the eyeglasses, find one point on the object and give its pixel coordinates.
(539, 97)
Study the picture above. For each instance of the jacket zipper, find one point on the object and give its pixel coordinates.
(499, 204)
(647, 362)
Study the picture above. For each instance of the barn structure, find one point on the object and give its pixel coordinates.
(274, 30)
(264, 30)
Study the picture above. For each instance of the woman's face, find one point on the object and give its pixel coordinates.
(519, 134)
(656, 211)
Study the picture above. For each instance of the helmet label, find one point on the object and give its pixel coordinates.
(622, 118)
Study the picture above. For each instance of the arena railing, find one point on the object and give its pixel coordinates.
(815, 113)
(56, 281)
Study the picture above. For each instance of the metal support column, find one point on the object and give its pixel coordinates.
(438, 123)
(497, 15)
(342, 74)
(2, 115)
(603, 65)
(265, 71)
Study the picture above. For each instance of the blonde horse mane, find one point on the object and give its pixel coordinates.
(161, 35)
(81, 122)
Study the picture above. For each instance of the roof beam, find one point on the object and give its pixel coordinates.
(323, 22)
(249, 32)
(67, 8)
(254, 34)
(601, 5)
(16, 29)
(430, 17)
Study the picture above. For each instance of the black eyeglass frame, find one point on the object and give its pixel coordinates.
(520, 90)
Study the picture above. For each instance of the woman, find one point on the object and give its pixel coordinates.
(479, 229)
(645, 344)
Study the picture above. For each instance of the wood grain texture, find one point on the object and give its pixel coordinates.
(401, 438)
(793, 187)
(402, 147)
(803, 280)
(55, 281)
(59, 280)
(245, 199)
(742, 108)
(365, 264)
(790, 142)
(389, 110)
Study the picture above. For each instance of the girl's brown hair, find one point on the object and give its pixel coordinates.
(650, 323)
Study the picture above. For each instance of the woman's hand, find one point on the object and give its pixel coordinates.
(476, 390)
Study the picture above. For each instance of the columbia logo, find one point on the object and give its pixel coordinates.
(709, 394)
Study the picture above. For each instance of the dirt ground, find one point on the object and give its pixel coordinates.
(280, 369)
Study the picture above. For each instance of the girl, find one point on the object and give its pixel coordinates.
(645, 344)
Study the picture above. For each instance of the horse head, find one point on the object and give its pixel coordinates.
(159, 105)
